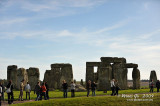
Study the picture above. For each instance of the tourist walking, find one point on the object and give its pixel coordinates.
(93, 87)
(3, 90)
(151, 84)
(21, 90)
(113, 87)
(73, 86)
(158, 85)
(43, 91)
(28, 90)
(116, 87)
(37, 91)
(88, 87)
(9, 91)
(47, 92)
(65, 88)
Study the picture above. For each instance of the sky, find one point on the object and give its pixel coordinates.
(38, 33)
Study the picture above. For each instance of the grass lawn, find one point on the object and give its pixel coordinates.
(59, 94)
(95, 101)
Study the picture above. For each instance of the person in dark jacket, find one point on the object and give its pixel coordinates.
(93, 87)
(10, 94)
(88, 87)
(37, 91)
(3, 90)
(47, 87)
(151, 84)
(158, 85)
(65, 88)
(116, 87)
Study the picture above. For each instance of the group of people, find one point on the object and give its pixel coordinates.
(42, 90)
(152, 84)
(39, 90)
(91, 86)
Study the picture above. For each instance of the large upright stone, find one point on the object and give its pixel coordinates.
(21, 75)
(104, 78)
(57, 74)
(153, 76)
(66, 73)
(120, 74)
(89, 73)
(33, 76)
(12, 74)
(136, 78)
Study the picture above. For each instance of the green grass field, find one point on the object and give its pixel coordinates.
(93, 101)
(101, 99)
(59, 94)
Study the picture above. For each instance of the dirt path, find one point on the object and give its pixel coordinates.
(5, 103)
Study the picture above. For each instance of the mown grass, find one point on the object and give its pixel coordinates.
(59, 94)
(94, 101)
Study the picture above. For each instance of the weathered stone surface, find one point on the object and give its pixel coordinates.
(109, 68)
(104, 78)
(93, 64)
(33, 76)
(95, 77)
(113, 60)
(89, 73)
(82, 82)
(120, 74)
(153, 76)
(57, 74)
(12, 74)
(130, 65)
(21, 75)
(136, 78)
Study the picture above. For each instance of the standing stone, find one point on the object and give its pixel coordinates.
(136, 78)
(57, 74)
(120, 74)
(33, 76)
(12, 74)
(66, 74)
(89, 73)
(21, 75)
(153, 77)
(82, 82)
(104, 78)
(75, 81)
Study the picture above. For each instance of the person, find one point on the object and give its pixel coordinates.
(113, 87)
(10, 94)
(21, 90)
(93, 87)
(116, 87)
(158, 85)
(43, 91)
(0, 93)
(88, 87)
(47, 87)
(37, 91)
(73, 86)
(65, 88)
(151, 84)
(28, 90)
(3, 90)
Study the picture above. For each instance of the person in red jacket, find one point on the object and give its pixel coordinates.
(43, 91)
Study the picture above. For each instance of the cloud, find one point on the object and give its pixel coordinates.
(12, 21)
(150, 34)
